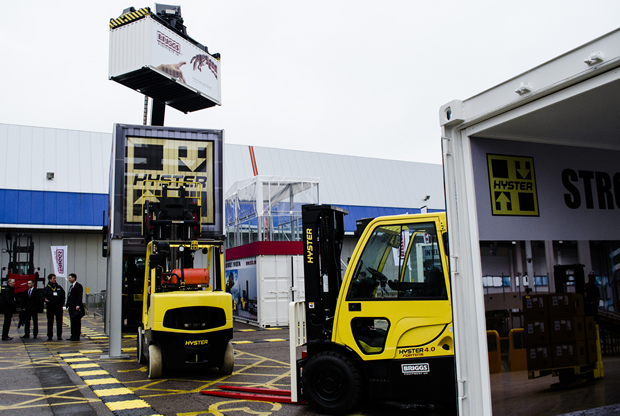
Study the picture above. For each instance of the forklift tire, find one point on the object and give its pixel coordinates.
(332, 383)
(229, 360)
(155, 362)
(140, 346)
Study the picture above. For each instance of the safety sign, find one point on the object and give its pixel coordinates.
(512, 185)
(175, 161)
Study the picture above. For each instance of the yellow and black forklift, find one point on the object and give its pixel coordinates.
(384, 331)
(186, 313)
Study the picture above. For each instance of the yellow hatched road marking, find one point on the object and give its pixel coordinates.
(75, 360)
(91, 351)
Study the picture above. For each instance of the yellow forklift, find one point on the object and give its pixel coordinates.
(186, 313)
(384, 331)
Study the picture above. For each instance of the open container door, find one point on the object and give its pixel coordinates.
(554, 126)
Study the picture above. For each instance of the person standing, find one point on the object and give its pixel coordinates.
(54, 297)
(74, 303)
(8, 297)
(30, 307)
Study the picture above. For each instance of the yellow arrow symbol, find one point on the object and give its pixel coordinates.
(503, 200)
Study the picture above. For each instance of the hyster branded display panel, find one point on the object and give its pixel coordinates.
(147, 157)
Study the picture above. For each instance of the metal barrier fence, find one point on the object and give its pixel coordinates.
(95, 304)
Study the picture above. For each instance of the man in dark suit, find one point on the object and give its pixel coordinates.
(54, 297)
(8, 297)
(74, 303)
(30, 307)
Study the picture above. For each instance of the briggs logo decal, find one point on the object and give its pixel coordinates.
(414, 369)
(168, 43)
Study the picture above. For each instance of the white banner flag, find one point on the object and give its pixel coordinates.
(59, 258)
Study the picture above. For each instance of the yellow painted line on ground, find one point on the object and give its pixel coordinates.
(70, 354)
(113, 392)
(98, 381)
(242, 342)
(273, 329)
(247, 330)
(129, 349)
(91, 351)
(275, 340)
(89, 365)
(128, 404)
(73, 360)
(98, 337)
(91, 373)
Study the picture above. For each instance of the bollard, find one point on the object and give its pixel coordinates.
(495, 353)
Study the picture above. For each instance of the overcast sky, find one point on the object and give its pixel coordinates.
(362, 78)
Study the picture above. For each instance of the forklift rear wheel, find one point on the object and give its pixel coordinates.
(155, 362)
(332, 383)
(140, 347)
(229, 360)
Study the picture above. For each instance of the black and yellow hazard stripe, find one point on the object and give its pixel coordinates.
(118, 398)
(129, 17)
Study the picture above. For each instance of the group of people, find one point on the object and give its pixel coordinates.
(53, 295)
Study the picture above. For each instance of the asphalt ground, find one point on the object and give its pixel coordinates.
(71, 378)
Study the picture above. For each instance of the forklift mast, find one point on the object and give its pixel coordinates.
(20, 248)
(177, 214)
(323, 229)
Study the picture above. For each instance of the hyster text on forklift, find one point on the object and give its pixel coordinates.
(167, 207)
(384, 331)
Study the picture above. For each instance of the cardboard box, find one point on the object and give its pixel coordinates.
(539, 357)
(567, 330)
(536, 332)
(535, 307)
(569, 354)
(592, 353)
(565, 305)
(590, 325)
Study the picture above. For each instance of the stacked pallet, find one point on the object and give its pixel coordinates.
(556, 332)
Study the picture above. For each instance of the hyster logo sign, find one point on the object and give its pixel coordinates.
(167, 160)
(410, 369)
(513, 185)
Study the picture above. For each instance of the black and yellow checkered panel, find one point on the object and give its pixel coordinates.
(130, 17)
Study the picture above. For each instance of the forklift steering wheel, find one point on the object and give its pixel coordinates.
(377, 274)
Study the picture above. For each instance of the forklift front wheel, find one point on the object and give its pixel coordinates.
(155, 362)
(140, 346)
(332, 383)
(229, 360)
